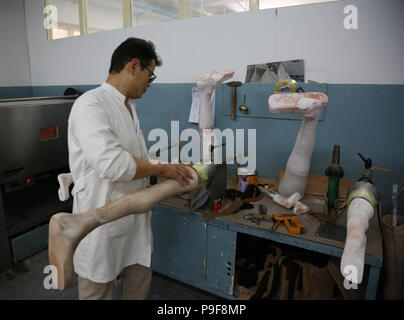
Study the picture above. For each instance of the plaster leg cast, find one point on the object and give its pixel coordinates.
(293, 201)
(309, 104)
(67, 230)
(360, 211)
(206, 85)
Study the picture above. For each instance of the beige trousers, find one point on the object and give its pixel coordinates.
(136, 285)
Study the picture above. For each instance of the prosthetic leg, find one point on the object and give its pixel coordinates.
(309, 104)
(360, 211)
(67, 230)
(363, 199)
(206, 85)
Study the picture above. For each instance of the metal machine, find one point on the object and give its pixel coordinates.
(33, 150)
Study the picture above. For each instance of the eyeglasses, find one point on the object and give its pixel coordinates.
(152, 75)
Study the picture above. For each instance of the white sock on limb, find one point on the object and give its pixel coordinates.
(300, 208)
(206, 85)
(67, 230)
(309, 104)
(287, 202)
(360, 211)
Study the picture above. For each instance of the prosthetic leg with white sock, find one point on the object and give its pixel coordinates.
(360, 211)
(363, 198)
(309, 104)
(206, 85)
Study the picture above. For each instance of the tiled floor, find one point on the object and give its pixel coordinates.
(26, 282)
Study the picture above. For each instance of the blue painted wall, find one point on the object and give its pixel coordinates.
(15, 92)
(45, 91)
(360, 118)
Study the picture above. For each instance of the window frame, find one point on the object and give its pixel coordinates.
(127, 17)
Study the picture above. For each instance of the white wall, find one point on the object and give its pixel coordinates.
(14, 58)
(191, 47)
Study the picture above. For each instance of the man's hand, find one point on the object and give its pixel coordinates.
(179, 172)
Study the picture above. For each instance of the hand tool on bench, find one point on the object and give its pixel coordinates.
(233, 208)
(257, 218)
(290, 221)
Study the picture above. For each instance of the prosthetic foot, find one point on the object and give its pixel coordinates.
(67, 230)
(309, 104)
(65, 180)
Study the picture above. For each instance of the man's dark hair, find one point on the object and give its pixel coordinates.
(134, 48)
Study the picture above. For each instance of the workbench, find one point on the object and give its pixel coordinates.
(203, 255)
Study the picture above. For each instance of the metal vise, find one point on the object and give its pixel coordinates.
(214, 189)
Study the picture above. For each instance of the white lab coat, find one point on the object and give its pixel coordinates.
(102, 138)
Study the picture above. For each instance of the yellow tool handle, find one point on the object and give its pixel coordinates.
(293, 226)
(276, 225)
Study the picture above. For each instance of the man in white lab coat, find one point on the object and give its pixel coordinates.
(108, 159)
